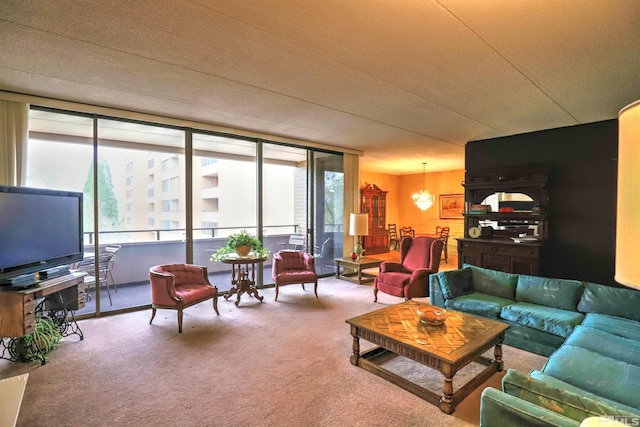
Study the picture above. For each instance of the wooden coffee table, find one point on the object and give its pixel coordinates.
(356, 266)
(447, 348)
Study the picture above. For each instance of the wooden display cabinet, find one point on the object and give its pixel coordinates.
(495, 248)
(373, 202)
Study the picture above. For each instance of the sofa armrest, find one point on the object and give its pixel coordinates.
(435, 291)
(498, 409)
(569, 400)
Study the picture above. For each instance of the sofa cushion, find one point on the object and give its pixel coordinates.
(552, 320)
(620, 302)
(559, 396)
(610, 378)
(613, 325)
(477, 303)
(491, 282)
(558, 293)
(614, 346)
(455, 283)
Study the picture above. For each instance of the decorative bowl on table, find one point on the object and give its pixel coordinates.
(431, 315)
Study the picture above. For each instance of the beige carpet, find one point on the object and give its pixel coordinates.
(282, 363)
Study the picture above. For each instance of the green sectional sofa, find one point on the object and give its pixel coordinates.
(590, 332)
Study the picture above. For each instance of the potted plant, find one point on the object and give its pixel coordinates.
(32, 347)
(241, 243)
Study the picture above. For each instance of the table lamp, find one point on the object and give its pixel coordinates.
(358, 226)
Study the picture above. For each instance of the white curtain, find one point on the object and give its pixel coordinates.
(14, 132)
(351, 197)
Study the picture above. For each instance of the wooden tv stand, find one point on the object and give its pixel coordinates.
(58, 298)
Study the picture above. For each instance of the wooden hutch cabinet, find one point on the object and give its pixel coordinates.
(373, 202)
(510, 236)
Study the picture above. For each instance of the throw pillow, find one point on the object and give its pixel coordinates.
(456, 283)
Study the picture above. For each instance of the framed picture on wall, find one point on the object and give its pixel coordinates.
(451, 206)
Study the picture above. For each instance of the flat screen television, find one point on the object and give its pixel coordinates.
(39, 229)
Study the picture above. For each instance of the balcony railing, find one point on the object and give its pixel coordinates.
(135, 257)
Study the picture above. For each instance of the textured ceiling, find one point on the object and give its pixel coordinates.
(405, 81)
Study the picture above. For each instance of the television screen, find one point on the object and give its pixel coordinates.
(39, 229)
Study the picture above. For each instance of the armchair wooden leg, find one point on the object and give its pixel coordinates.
(315, 288)
(153, 314)
(375, 294)
(277, 289)
(303, 287)
(215, 305)
(180, 307)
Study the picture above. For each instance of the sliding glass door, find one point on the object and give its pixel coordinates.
(157, 194)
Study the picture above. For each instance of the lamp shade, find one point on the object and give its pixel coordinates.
(358, 224)
(628, 204)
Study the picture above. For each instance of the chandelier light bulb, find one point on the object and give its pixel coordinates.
(423, 199)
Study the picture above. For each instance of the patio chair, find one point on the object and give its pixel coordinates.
(296, 243)
(88, 265)
(112, 249)
(321, 254)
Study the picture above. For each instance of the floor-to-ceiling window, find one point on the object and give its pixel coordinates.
(141, 205)
(139, 188)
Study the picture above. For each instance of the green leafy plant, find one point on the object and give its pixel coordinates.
(45, 336)
(243, 238)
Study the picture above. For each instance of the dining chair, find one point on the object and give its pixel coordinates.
(394, 240)
(443, 232)
(407, 232)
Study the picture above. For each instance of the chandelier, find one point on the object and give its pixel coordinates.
(423, 199)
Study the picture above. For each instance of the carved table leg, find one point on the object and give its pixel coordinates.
(234, 287)
(497, 352)
(446, 401)
(231, 292)
(355, 347)
(253, 291)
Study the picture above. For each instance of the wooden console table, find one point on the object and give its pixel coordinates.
(58, 298)
(240, 281)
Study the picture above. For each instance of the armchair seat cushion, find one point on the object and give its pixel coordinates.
(295, 276)
(548, 319)
(192, 293)
(395, 280)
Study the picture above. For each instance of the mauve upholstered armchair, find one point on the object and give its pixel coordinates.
(294, 267)
(178, 286)
(409, 278)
